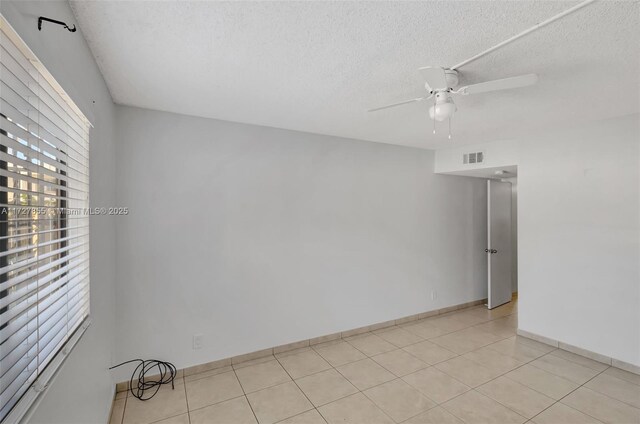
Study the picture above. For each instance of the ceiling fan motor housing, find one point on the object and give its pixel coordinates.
(451, 76)
(450, 79)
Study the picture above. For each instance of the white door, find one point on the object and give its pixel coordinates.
(498, 242)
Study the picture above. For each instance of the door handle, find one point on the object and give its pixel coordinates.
(490, 250)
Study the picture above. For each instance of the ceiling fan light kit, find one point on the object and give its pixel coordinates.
(442, 83)
(444, 107)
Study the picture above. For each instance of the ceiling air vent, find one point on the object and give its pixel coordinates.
(475, 157)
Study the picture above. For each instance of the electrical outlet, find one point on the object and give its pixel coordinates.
(434, 295)
(197, 341)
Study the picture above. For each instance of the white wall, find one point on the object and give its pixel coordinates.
(501, 153)
(257, 237)
(579, 233)
(83, 391)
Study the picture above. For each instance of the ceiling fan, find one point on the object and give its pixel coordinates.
(441, 84)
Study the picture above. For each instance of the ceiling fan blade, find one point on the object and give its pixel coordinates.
(501, 84)
(434, 77)
(419, 99)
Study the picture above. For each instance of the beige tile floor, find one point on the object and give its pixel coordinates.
(463, 367)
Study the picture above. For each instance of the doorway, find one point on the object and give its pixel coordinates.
(499, 290)
(501, 231)
(502, 236)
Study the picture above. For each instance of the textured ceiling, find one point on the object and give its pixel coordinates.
(318, 66)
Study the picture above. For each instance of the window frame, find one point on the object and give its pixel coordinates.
(28, 401)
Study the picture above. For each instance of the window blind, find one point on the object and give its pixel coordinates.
(44, 220)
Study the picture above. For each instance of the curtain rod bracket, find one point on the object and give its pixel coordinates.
(53, 21)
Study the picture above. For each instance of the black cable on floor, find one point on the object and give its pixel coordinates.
(166, 372)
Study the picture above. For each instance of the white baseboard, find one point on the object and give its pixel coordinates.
(580, 351)
(124, 385)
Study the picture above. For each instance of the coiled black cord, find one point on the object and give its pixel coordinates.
(165, 370)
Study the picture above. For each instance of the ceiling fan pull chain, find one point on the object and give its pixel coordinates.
(434, 114)
(449, 128)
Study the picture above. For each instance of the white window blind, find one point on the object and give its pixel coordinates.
(44, 221)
